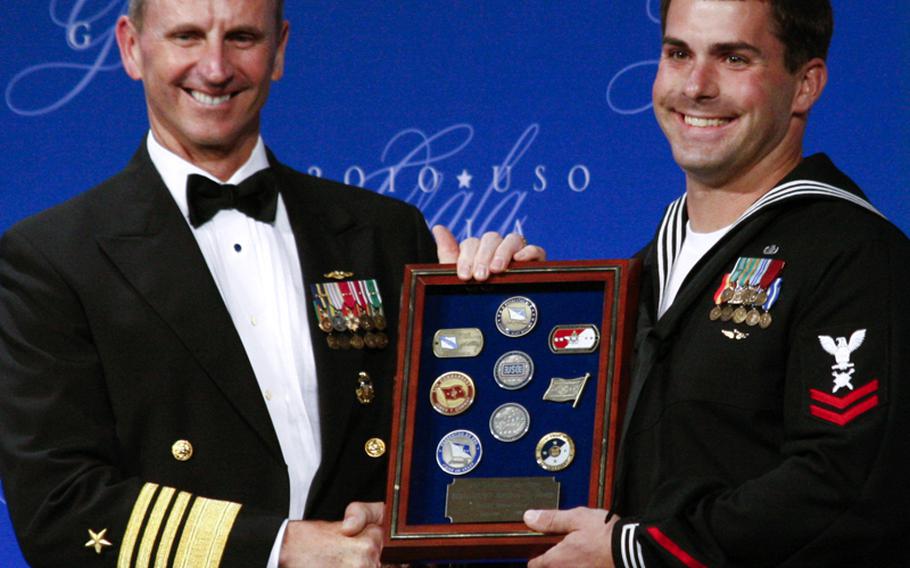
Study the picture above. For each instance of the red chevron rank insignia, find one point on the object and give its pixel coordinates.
(842, 410)
(845, 375)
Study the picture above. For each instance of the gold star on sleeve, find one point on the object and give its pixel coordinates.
(97, 540)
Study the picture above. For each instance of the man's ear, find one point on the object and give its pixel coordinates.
(813, 76)
(278, 64)
(128, 42)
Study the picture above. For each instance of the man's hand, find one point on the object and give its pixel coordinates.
(354, 542)
(588, 540)
(491, 254)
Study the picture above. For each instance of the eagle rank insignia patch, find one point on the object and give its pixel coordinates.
(846, 378)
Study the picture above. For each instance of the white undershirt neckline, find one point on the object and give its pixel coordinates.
(695, 245)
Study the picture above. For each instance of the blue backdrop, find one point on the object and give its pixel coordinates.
(487, 114)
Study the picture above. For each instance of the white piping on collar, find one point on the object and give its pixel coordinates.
(672, 228)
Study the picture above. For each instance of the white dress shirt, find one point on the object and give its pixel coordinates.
(256, 268)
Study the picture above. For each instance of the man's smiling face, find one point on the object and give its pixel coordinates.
(722, 94)
(206, 66)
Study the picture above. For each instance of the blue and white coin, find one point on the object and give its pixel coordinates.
(516, 316)
(459, 452)
(555, 451)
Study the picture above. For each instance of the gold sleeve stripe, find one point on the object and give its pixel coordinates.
(222, 532)
(150, 535)
(206, 533)
(170, 529)
(135, 524)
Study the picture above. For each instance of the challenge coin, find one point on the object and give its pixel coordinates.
(459, 452)
(509, 422)
(516, 316)
(513, 370)
(452, 393)
(555, 451)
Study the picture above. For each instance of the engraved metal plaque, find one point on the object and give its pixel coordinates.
(499, 499)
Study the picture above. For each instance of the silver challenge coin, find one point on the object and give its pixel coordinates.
(459, 452)
(516, 316)
(509, 422)
(513, 370)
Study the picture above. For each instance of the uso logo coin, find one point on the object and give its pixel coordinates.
(513, 370)
(516, 316)
(459, 452)
(555, 451)
(452, 393)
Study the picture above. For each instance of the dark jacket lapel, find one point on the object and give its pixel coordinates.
(155, 250)
(328, 238)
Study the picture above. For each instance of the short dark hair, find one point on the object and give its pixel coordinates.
(137, 11)
(804, 27)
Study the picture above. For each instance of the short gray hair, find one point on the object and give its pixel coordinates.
(137, 11)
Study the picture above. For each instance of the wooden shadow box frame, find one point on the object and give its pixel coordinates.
(598, 292)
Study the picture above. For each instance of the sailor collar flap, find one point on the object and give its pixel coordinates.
(797, 185)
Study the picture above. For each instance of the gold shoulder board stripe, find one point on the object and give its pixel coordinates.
(206, 533)
(135, 524)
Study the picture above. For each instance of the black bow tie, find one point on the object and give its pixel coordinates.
(256, 196)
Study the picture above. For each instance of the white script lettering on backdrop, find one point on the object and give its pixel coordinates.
(622, 79)
(91, 33)
(417, 174)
